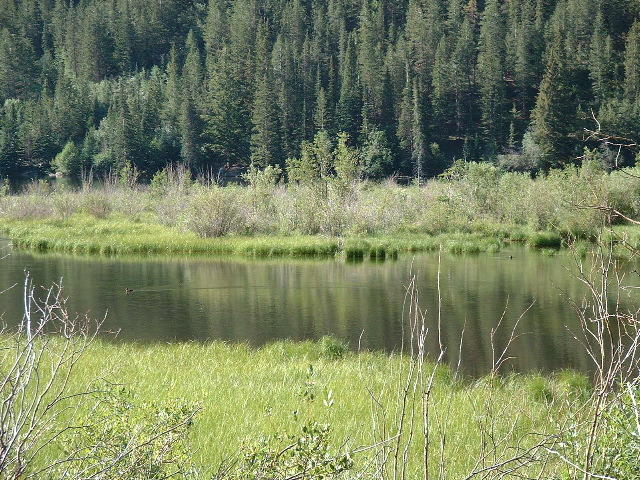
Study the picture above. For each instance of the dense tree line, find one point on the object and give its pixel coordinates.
(410, 85)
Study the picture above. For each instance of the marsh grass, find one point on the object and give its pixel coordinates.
(117, 235)
(545, 240)
(247, 393)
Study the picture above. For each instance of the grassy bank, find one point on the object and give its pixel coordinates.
(474, 208)
(245, 395)
(82, 233)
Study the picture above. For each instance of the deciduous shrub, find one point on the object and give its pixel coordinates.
(215, 212)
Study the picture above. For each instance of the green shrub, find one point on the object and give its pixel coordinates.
(69, 161)
(304, 455)
(123, 438)
(331, 347)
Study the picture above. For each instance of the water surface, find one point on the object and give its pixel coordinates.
(258, 301)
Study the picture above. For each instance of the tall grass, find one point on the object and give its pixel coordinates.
(247, 393)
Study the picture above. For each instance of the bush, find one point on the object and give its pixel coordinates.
(127, 439)
(97, 204)
(331, 347)
(544, 240)
(27, 207)
(69, 161)
(215, 212)
(304, 456)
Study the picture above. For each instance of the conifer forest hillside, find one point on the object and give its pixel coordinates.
(411, 85)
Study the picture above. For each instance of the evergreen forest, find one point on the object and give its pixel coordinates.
(409, 86)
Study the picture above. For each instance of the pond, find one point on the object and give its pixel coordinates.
(259, 301)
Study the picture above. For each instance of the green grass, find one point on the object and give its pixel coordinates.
(247, 393)
(545, 240)
(116, 235)
(119, 236)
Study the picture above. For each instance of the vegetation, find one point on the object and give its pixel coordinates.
(473, 207)
(409, 86)
(508, 120)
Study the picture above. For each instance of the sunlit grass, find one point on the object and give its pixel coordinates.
(117, 235)
(246, 393)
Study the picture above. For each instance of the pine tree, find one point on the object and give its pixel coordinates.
(96, 46)
(418, 143)
(38, 146)
(227, 124)
(189, 134)
(242, 37)
(124, 134)
(321, 118)
(579, 27)
(632, 66)
(192, 72)
(265, 136)
(528, 63)
(491, 72)
(173, 91)
(123, 37)
(18, 68)
(463, 74)
(423, 30)
(404, 131)
(350, 103)
(293, 25)
(216, 28)
(306, 75)
(553, 117)
(455, 16)
(288, 96)
(442, 96)
(601, 64)
(71, 108)
(370, 58)
(10, 146)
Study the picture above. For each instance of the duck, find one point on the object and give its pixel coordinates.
(128, 290)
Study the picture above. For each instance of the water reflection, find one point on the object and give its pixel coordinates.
(257, 301)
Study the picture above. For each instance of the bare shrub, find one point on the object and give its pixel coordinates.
(306, 202)
(131, 202)
(97, 203)
(215, 212)
(170, 208)
(65, 204)
(610, 335)
(25, 207)
(385, 209)
(262, 193)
